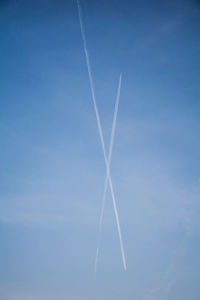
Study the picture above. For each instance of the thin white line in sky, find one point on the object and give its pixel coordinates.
(100, 131)
(109, 161)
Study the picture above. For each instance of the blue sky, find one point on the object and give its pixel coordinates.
(52, 168)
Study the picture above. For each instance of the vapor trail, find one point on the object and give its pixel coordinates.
(109, 161)
(100, 131)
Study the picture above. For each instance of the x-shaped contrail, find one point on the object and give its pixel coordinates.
(100, 132)
(109, 161)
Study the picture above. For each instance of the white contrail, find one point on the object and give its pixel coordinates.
(109, 161)
(100, 131)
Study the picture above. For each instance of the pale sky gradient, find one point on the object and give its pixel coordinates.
(52, 167)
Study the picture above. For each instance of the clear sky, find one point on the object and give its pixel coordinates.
(52, 167)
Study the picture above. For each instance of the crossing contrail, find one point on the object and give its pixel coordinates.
(100, 131)
(109, 161)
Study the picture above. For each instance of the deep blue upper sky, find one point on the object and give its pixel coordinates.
(52, 168)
